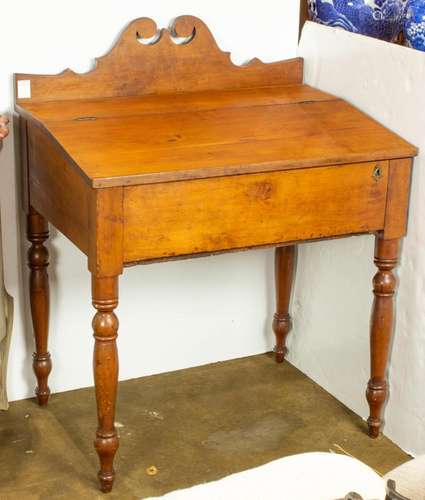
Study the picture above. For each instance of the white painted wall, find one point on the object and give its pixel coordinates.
(172, 315)
(333, 298)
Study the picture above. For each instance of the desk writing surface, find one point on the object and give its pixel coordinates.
(145, 139)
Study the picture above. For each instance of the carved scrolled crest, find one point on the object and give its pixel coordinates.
(186, 28)
(146, 60)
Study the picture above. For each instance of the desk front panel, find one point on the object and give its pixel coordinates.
(210, 215)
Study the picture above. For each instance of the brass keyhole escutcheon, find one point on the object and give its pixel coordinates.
(377, 173)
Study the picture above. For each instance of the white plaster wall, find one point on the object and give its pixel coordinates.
(172, 315)
(333, 289)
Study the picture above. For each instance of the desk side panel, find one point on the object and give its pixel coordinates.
(399, 179)
(212, 215)
(56, 190)
(23, 152)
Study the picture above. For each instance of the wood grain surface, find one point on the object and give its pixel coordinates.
(281, 131)
(396, 215)
(182, 58)
(185, 111)
(202, 216)
(56, 191)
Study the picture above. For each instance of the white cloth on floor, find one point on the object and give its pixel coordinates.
(307, 476)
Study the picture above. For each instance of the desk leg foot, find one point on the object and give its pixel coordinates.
(105, 367)
(38, 260)
(284, 275)
(384, 284)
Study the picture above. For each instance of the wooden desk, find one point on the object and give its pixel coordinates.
(168, 150)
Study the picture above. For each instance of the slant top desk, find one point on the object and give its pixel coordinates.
(167, 150)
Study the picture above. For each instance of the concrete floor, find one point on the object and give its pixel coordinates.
(193, 425)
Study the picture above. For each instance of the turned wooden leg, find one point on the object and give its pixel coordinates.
(105, 367)
(38, 260)
(284, 275)
(384, 283)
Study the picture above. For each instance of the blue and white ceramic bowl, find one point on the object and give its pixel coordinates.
(382, 19)
(414, 24)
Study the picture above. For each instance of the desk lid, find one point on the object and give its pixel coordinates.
(168, 105)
